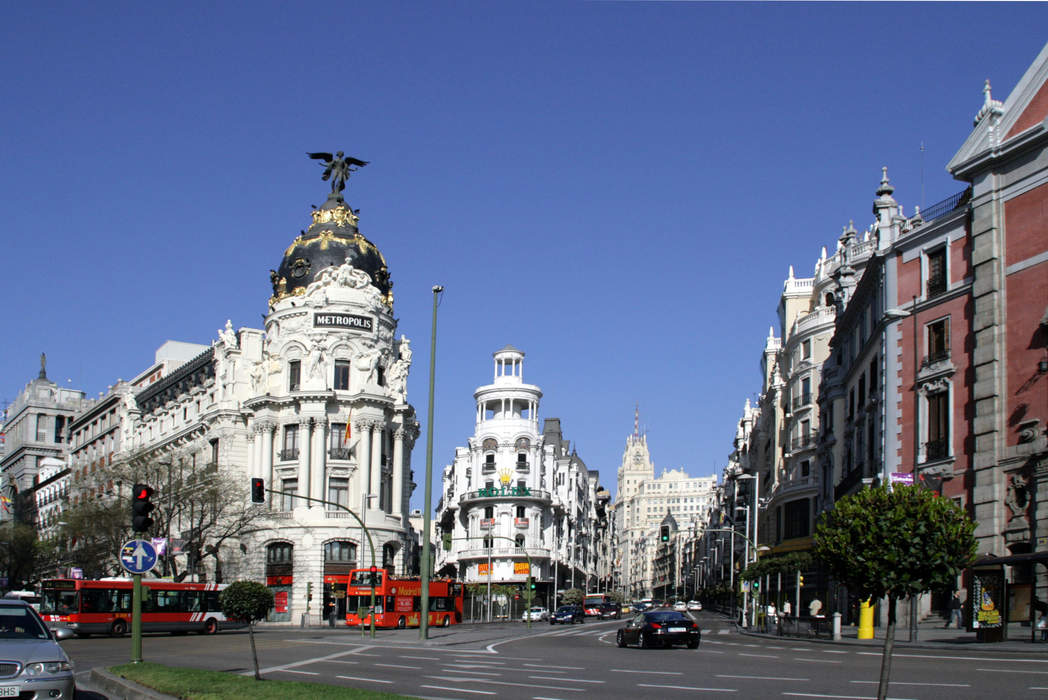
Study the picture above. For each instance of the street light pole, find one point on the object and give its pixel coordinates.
(427, 547)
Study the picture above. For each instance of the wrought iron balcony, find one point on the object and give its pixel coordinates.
(289, 455)
(935, 449)
(339, 453)
(803, 442)
(800, 401)
(505, 493)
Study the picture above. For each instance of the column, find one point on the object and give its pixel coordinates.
(376, 463)
(254, 464)
(363, 429)
(267, 454)
(303, 460)
(398, 473)
(318, 460)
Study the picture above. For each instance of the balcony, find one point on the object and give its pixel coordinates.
(487, 523)
(936, 285)
(803, 442)
(935, 358)
(791, 487)
(505, 493)
(487, 468)
(522, 466)
(289, 455)
(339, 453)
(521, 522)
(801, 401)
(504, 552)
(936, 449)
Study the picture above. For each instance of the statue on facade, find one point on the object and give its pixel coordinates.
(397, 376)
(337, 168)
(227, 335)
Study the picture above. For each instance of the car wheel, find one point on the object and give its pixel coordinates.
(694, 644)
(620, 639)
(401, 622)
(211, 626)
(646, 642)
(119, 628)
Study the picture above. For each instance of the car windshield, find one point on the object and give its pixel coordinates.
(664, 617)
(17, 622)
(566, 609)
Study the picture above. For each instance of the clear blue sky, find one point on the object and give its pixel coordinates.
(617, 188)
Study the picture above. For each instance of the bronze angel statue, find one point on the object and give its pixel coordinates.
(337, 168)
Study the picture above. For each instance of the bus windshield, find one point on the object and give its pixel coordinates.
(54, 601)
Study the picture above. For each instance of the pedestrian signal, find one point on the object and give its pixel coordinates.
(258, 490)
(531, 583)
(141, 507)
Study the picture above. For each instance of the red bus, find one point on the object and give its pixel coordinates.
(398, 601)
(104, 607)
(592, 602)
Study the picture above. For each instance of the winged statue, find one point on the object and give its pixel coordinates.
(337, 168)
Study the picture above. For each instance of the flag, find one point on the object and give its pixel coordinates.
(349, 427)
(5, 501)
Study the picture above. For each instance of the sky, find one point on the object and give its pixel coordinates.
(616, 188)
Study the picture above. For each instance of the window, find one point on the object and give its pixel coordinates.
(519, 540)
(938, 340)
(337, 436)
(489, 542)
(341, 375)
(935, 283)
(340, 551)
(795, 516)
(338, 492)
(521, 512)
(805, 469)
(806, 390)
(290, 450)
(806, 349)
(59, 428)
(489, 462)
(214, 452)
(279, 553)
(862, 390)
(937, 446)
(294, 375)
(41, 428)
(874, 370)
(290, 489)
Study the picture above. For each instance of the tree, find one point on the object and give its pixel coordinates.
(249, 601)
(20, 554)
(572, 596)
(894, 543)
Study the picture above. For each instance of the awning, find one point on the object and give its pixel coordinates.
(1028, 558)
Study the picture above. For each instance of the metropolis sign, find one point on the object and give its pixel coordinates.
(492, 492)
(347, 321)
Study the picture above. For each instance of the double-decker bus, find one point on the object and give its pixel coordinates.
(104, 607)
(592, 602)
(398, 601)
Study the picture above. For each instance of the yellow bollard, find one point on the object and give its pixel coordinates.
(866, 620)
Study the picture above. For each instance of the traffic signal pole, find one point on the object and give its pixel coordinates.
(136, 619)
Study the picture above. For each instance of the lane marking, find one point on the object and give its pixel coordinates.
(475, 673)
(689, 687)
(762, 656)
(662, 673)
(1008, 670)
(841, 697)
(937, 685)
(461, 679)
(361, 678)
(817, 661)
(306, 662)
(957, 658)
(459, 690)
(568, 680)
(417, 668)
(762, 678)
(834, 651)
(567, 668)
(424, 658)
(304, 673)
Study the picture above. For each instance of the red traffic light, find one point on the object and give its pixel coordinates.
(141, 507)
(258, 490)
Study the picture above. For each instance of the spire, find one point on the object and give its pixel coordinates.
(636, 420)
(43, 366)
(990, 105)
(886, 186)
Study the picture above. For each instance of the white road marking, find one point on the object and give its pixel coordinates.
(840, 697)
(817, 661)
(763, 678)
(762, 656)
(304, 673)
(461, 679)
(955, 658)
(1008, 670)
(661, 673)
(567, 668)
(459, 690)
(361, 678)
(475, 673)
(834, 651)
(569, 680)
(397, 666)
(937, 685)
(306, 662)
(689, 687)
(424, 658)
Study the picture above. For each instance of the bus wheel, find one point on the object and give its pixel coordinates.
(211, 626)
(446, 621)
(401, 622)
(119, 628)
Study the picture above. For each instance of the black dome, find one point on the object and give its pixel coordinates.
(331, 240)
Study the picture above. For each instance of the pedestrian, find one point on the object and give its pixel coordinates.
(955, 611)
(786, 609)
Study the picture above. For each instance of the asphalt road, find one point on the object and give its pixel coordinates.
(509, 661)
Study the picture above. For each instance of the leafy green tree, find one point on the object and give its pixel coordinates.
(20, 554)
(249, 601)
(894, 543)
(572, 596)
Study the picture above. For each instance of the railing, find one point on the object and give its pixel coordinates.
(521, 522)
(946, 206)
(289, 455)
(522, 466)
(936, 285)
(505, 492)
(339, 453)
(824, 314)
(800, 401)
(336, 514)
(804, 441)
(940, 356)
(280, 515)
(935, 449)
(533, 552)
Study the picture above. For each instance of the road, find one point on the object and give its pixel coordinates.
(582, 661)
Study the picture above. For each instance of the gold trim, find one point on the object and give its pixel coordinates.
(340, 216)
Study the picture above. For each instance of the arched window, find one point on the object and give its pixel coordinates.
(389, 555)
(279, 553)
(340, 552)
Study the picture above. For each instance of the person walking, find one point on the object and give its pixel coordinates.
(955, 611)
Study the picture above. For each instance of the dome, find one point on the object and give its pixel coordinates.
(332, 239)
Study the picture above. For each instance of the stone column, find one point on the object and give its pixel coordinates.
(303, 460)
(363, 429)
(254, 461)
(376, 463)
(318, 461)
(266, 450)
(398, 473)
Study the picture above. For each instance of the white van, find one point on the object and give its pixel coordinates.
(28, 596)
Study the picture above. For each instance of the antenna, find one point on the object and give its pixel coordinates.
(922, 174)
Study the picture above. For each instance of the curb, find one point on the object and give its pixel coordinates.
(116, 687)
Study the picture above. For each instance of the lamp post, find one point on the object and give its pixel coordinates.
(755, 512)
(427, 546)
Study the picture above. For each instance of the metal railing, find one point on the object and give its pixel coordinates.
(946, 206)
(339, 453)
(935, 449)
(931, 359)
(289, 455)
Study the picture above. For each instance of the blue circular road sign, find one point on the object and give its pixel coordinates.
(138, 556)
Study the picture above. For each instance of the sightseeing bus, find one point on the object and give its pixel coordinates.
(592, 602)
(398, 601)
(104, 607)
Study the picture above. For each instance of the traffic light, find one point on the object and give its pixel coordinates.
(309, 589)
(756, 585)
(258, 490)
(141, 507)
(374, 576)
(664, 533)
(531, 583)
(800, 580)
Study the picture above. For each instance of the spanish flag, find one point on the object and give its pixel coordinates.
(349, 428)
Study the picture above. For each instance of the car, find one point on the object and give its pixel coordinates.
(660, 628)
(680, 606)
(568, 614)
(610, 611)
(34, 663)
(694, 605)
(536, 613)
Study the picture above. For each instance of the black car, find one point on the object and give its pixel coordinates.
(568, 614)
(610, 611)
(660, 628)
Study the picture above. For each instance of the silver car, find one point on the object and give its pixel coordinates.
(31, 661)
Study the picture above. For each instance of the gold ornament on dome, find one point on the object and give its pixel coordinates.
(340, 216)
(505, 476)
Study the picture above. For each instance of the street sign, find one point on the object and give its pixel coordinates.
(138, 556)
(905, 478)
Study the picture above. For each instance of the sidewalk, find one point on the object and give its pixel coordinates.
(930, 635)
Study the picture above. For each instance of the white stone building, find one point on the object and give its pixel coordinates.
(515, 495)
